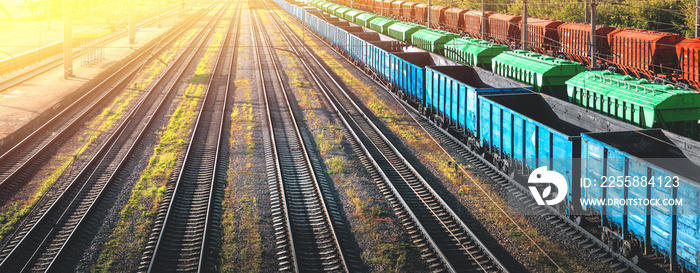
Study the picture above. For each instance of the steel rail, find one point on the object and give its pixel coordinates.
(36, 150)
(503, 180)
(89, 171)
(191, 157)
(337, 105)
(304, 152)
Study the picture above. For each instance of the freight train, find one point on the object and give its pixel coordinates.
(520, 130)
(561, 78)
(658, 56)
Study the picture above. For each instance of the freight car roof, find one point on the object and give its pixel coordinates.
(477, 12)
(505, 17)
(476, 45)
(654, 97)
(364, 18)
(405, 27)
(538, 63)
(586, 27)
(647, 35)
(434, 35)
(382, 21)
(543, 22)
(662, 148)
(353, 13)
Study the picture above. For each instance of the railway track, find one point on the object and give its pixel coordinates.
(307, 239)
(24, 159)
(50, 232)
(566, 226)
(462, 154)
(180, 241)
(448, 244)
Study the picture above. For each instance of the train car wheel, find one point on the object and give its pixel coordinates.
(505, 167)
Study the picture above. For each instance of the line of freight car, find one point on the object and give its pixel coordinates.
(509, 122)
(450, 94)
(664, 57)
(552, 76)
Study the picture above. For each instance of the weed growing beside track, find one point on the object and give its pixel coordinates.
(13, 211)
(384, 246)
(125, 245)
(241, 249)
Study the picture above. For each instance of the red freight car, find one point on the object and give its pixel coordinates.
(386, 6)
(504, 28)
(358, 4)
(420, 13)
(407, 12)
(454, 19)
(542, 36)
(574, 39)
(377, 7)
(688, 52)
(437, 16)
(396, 9)
(644, 53)
(472, 23)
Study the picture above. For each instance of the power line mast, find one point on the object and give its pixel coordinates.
(593, 37)
(158, 18)
(381, 8)
(67, 42)
(524, 35)
(697, 18)
(132, 24)
(483, 19)
(429, 12)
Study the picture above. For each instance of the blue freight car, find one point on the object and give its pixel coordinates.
(658, 165)
(546, 127)
(408, 72)
(357, 44)
(451, 95)
(522, 132)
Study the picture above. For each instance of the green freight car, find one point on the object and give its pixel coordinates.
(315, 3)
(364, 19)
(382, 24)
(432, 40)
(637, 101)
(472, 51)
(340, 11)
(403, 31)
(352, 14)
(328, 6)
(546, 74)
